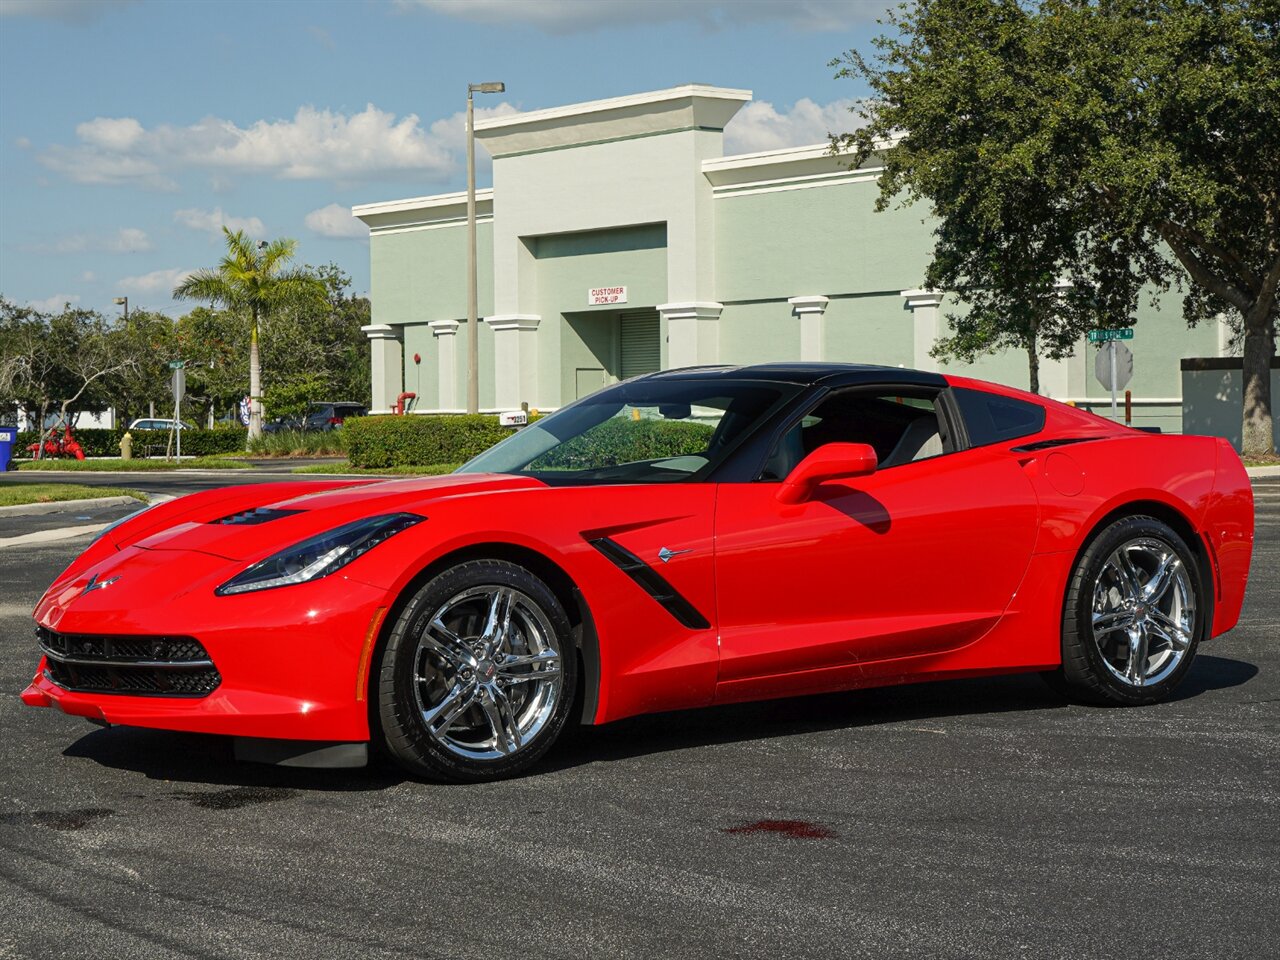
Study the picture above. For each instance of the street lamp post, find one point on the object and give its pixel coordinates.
(124, 302)
(473, 322)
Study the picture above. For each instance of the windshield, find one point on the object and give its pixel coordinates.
(642, 431)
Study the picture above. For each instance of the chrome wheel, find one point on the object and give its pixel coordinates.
(1143, 612)
(487, 674)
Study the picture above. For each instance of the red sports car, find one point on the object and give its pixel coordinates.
(682, 539)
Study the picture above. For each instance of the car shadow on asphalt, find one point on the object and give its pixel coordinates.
(910, 703)
(186, 758)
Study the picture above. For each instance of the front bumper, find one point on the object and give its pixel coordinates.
(291, 662)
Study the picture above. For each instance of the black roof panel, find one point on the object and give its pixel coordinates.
(832, 374)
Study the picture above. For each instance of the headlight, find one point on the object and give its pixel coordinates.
(319, 556)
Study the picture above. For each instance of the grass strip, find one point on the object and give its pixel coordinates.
(18, 494)
(345, 467)
(117, 465)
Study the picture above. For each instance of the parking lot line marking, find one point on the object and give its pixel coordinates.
(50, 536)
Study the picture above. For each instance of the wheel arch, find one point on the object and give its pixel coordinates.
(1180, 523)
(540, 565)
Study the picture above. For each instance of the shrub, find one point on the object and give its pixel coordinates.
(620, 440)
(292, 443)
(106, 443)
(390, 441)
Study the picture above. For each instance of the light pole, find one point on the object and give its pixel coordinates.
(123, 302)
(473, 322)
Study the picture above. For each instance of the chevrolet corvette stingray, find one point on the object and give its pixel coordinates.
(683, 539)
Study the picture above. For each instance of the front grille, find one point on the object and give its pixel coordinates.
(140, 666)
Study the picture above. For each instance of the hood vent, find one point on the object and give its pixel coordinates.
(256, 516)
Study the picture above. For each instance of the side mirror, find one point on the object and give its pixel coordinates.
(831, 461)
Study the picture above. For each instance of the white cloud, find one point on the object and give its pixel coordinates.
(212, 221)
(336, 221)
(321, 36)
(157, 281)
(55, 303)
(314, 144)
(128, 240)
(759, 126)
(574, 16)
(68, 11)
(88, 277)
(124, 240)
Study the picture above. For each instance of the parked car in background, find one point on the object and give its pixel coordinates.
(327, 416)
(154, 423)
(282, 425)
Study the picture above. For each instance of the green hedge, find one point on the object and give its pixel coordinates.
(390, 441)
(416, 441)
(106, 443)
(625, 441)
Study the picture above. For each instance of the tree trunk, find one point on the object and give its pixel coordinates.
(44, 409)
(255, 382)
(1257, 438)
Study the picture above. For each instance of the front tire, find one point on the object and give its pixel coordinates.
(478, 675)
(1134, 614)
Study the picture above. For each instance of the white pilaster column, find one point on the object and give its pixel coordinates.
(387, 365)
(445, 333)
(515, 361)
(693, 332)
(923, 305)
(1224, 335)
(810, 311)
(1055, 375)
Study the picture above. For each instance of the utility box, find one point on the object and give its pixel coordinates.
(8, 437)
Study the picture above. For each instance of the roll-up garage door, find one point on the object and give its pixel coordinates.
(641, 351)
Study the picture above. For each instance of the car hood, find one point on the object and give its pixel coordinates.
(229, 529)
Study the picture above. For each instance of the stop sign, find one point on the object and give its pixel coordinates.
(1124, 366)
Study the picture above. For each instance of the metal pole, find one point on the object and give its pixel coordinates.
(1112, 345)
(1128, 407)
(473, 331)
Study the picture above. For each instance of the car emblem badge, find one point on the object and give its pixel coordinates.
(96, 584)
(665, 555)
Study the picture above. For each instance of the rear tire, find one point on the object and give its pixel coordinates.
(1134, 613)
(478, 676)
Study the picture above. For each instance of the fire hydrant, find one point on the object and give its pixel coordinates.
(126, 447)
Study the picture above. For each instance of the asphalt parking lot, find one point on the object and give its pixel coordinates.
(976, 819)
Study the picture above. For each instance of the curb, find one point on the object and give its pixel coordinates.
(1257, 472)
(61, 506)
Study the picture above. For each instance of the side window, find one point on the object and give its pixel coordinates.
(902, 429)
(991, 418)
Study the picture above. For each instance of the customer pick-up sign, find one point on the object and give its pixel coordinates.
(597, 296)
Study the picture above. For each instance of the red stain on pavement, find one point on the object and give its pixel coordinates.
(799, 829)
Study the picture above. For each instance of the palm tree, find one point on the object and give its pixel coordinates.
(254, 278)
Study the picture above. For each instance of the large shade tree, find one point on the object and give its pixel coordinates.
(1111, 144)
(73, 360)
(253, 279)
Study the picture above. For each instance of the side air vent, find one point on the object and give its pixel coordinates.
(1049, 444)
(651, 583)
(256, 516)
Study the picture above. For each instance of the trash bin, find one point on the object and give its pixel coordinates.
(8, 437)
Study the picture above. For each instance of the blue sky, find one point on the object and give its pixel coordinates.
(131, 130)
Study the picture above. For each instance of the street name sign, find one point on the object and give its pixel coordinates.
(1116, 333)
